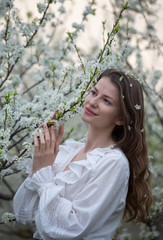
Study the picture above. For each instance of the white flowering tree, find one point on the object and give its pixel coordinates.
(45, 78)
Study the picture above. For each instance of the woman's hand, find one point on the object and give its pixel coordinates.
(46, 146)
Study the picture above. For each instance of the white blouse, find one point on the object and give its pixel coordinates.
(85, 202)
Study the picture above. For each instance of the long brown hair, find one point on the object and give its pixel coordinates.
(130, 137)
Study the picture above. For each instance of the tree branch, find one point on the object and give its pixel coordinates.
(34, 85)
(18, 141)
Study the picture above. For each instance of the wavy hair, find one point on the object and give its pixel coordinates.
(130, 138)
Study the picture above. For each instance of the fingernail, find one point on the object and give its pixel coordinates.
(45, 125)
(52, 126)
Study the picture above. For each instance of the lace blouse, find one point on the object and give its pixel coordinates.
(85, 202)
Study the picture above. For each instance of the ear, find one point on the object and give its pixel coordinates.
(119, 122)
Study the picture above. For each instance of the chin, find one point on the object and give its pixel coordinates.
(84, 117)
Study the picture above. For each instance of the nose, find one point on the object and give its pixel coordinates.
(93, 101)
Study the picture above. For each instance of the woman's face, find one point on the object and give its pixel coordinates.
(102, 105)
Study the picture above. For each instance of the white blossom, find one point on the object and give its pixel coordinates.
(8, 218)
(137, 107)
(89, 10)
(62, 9)
(41, 7)
(129, 128)
(78, 26)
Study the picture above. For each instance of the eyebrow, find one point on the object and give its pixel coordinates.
(104, 95)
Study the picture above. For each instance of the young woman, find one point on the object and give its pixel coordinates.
(82, 190)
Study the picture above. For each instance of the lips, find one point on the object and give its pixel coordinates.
(89, 111)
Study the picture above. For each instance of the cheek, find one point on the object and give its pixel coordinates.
(86, 99)
(110, 112)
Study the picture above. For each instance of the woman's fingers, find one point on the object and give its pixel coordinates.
(48, 140)
(60, 133)
(47, 137)
(59, 136)
(42, 141)
(36, 143)
(53, 136)
(46, 146)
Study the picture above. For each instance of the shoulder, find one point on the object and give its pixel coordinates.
(112, 159)
(117, 156)
(110, 153)
(111, 170)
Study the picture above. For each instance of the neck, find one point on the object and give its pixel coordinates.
(97, 139)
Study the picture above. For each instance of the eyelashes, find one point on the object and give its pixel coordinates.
(105, 100)
(93, 92)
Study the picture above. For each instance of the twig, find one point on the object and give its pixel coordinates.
(77, 50)
(113, 32)
(13, 145)
(34, 85)
(10, 164)
(16, 131)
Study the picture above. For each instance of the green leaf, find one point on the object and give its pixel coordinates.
(116, 29)
(59, 114)
(15, 92)
(94, 11)
(69, 34)
(79, 99)
(52, 67)
(125, 6)
(72, 109)
(72, 129)
(121, 78)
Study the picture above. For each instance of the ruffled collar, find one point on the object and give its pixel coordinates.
(71, 145)
(78, 169)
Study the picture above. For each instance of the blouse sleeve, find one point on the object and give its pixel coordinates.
(58, 216)
(25, 204)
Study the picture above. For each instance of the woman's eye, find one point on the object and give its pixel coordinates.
(93, 92)
(106, 101)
